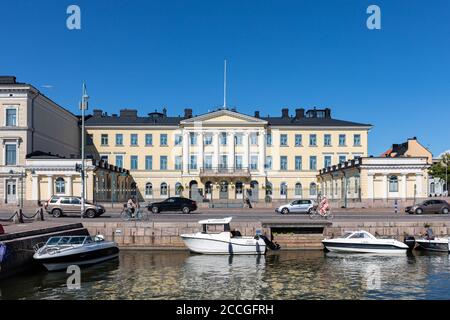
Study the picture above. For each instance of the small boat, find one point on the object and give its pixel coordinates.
(364, 242)
(434, 244)
(60, 252)
(226, 241)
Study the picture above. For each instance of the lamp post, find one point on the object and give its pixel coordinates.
(83, 107)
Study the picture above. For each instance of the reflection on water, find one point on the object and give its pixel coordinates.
(280, 275)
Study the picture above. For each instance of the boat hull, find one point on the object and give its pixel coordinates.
(219, 246)
(438, 245)
(363, 248)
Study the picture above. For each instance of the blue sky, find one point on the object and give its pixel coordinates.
(154, 54)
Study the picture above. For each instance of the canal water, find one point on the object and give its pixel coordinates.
(280, 275)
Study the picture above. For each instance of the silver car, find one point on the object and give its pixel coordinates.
(64, 205)
(297, 206)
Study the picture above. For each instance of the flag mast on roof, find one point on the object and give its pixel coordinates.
(225, 86)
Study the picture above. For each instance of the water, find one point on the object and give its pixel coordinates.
(280, 275)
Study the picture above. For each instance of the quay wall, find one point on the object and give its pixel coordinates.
(294, 236)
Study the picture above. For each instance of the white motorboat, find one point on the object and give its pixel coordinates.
(60, 252)
(364, 242)
(434, 244)
(226, 241)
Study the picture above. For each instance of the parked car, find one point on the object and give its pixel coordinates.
(429, 206)
(184, 205)
(297, 206)
(64, 205)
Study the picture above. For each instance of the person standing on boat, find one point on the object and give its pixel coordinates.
(428, 235)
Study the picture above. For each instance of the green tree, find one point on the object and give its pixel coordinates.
(441, 169)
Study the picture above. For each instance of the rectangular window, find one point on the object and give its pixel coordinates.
(253, 139)
(357, 140)
(298, 163)
(208, 139)
(104, 158)
(238, 139)
(104, 140)
(193, 162)
(269, 139)
(327, 140)
(298, 140)
(342, 159)
(283, 140)
(133, 162)
(163, 163)
(223, 138)
(134, 139)
(11, 154)
(148, 162)
(283, 163)
(254, 162)
(178, 139)
(342, 141)
(238, 162)
(119, 161)
(192, 138)
(178, 163)
(313, 163)
(268, 164)
(208, 162)
(148, 139)
(313, 140)
(163, 140)
(223, 161)
(119, 139)
(11, 117)
(327, 161)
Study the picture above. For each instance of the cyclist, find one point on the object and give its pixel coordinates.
(324, 206)
(131, 206)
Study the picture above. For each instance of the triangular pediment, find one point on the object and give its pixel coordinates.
(224, 117)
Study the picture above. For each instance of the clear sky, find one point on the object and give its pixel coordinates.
(318, 53)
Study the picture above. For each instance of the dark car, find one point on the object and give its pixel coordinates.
(429, 206)
(184, 205)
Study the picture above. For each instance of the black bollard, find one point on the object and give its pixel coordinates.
(21, 216)
(41, 213)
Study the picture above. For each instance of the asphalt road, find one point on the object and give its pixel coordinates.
(253, 215)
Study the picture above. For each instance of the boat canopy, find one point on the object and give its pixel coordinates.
(216, 221)
(357, 235)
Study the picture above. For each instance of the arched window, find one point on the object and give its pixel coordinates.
(148, 189)
(298, 189)
(283, 189)
(60, 185)
(178, 189)
(164, 189)
(432, 188)
(312, 189)
(393, 184)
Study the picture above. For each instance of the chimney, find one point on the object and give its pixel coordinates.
(256, 114)
(128, 113)
(7, 80)
(188, 113)
(328, 113)
(285, 113)
(164, 112)
(299, 113)
(97, 112)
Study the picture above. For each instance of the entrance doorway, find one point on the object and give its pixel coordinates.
(11, 191)
(239, 190)
(194, 192)
(223, 194)
(208, 190)
(252, 193)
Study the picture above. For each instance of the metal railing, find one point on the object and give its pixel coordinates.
(225, 170)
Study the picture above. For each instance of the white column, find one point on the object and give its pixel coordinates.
(185, 152)
(50, 185)
(385, 187)
(403, 191)
(200, 150)
(231, 153)
(35, 187)
(216, 151)
(69, 185)
(261, 151)
(370, 186)
(245, 162)
(419, 185)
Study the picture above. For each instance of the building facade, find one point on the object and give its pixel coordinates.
(29, 122)
(225, 155)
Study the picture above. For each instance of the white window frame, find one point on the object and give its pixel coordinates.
(17, 153)
(12, 107)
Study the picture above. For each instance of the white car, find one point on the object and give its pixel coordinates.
(297, 206)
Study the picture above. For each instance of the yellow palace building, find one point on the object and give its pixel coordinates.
(224, 155)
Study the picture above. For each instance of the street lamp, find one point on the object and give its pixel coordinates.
(83, 107)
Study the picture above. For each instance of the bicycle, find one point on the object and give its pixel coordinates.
(315, 212)
(139, 215)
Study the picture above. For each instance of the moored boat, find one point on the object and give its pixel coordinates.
(60, 252)
(226, 241)
(364, 242)
(434, 244)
